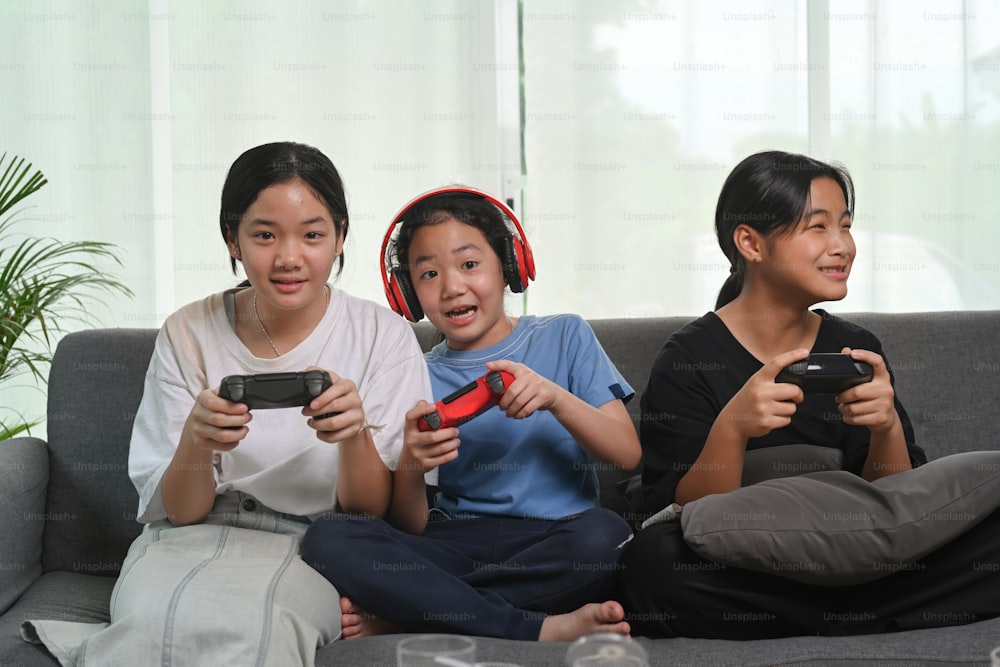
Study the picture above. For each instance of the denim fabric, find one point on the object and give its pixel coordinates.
(232, 590)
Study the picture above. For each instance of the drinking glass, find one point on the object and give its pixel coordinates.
(436, 651)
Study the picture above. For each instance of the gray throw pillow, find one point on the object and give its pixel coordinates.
(834, 528)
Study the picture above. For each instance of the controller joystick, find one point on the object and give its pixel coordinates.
(495, 381)
(316, 382)
(467, 402)
(233, 387)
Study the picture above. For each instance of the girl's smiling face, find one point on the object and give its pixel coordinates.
(458, 279)
(814, 259)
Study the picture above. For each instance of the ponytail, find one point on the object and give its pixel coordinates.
(730, 289)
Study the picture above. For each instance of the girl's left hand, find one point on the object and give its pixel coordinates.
(869, 404)
(528, 393)
(342, 397)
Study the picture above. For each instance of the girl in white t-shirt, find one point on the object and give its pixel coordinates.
(226, 493)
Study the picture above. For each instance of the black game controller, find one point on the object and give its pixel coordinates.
(468, 402)
(826, 373)
(275, 390)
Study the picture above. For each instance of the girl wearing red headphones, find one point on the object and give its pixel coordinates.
(514, 543)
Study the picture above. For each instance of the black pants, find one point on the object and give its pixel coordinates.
(493, 577)
(670, 591)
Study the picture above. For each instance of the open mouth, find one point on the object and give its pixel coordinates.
(461, 314)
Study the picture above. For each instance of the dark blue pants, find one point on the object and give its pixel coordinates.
(493, 577)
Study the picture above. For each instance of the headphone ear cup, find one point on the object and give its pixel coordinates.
(402, 296)
(518, 266)
(511, 271)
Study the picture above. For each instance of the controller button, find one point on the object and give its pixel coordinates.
(249, 505)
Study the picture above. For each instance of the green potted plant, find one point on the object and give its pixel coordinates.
(44, 284)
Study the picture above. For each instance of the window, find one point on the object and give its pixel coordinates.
(610, 124)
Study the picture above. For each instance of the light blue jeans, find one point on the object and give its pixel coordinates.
(230, 591)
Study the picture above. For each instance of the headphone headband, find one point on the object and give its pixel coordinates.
(519, 267)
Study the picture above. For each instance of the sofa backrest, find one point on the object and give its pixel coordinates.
(946, 364)
(947, 368)
(95, 384)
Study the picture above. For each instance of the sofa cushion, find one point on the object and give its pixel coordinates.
(760, 465)
(835, 528)
(947, 370)
(24, 473)
(94, 390)
(64, 596)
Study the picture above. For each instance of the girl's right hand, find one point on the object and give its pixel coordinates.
(763, 405)
(215, 423)
(427, 449)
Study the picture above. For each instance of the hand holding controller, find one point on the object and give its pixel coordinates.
(826, 373)
(276, 390)
(468, 402)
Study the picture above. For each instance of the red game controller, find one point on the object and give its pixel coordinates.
(468, 402)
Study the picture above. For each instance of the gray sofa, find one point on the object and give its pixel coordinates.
(67, 507)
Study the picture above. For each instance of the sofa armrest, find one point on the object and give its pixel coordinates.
(24, 479)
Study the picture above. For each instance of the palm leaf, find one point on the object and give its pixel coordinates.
(13, 188)
(8, 432)
(44, 285)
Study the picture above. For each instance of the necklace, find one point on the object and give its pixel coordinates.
(264, 329)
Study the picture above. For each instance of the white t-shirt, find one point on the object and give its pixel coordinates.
(281, 462)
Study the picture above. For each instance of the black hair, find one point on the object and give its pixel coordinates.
(768, 191)
(468, 208)
(280, 162)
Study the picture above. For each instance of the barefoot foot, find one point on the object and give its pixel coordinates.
(588, 619)
(356, 622)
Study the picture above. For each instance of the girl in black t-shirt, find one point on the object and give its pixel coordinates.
(784, 222)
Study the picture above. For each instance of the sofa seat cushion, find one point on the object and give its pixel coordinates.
(834, 528)
(65, 596)
(381, 650)
(68, 596)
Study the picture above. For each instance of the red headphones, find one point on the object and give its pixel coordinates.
(517, 261)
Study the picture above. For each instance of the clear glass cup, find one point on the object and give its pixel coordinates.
(606, 649)
(436, 651)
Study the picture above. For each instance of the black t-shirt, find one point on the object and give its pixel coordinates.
(701, 367)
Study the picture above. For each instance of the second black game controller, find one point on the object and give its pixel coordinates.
(826, 373)
(275, 390)
(467, 402)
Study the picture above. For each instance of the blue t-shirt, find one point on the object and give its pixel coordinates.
(525, 467)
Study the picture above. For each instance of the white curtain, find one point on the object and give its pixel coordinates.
(610, 124)
(637, 111)
(135, 112)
